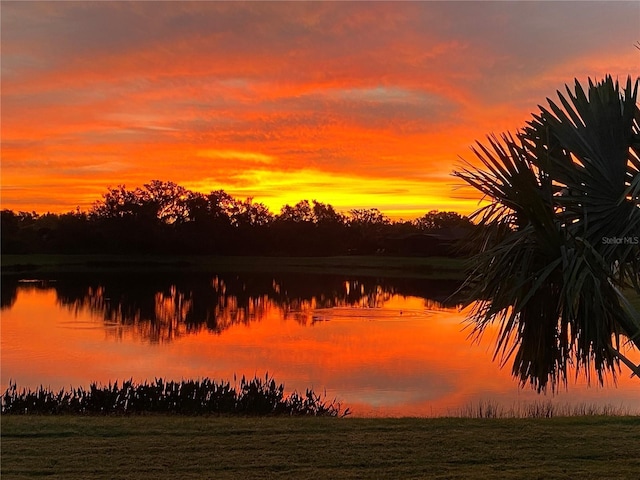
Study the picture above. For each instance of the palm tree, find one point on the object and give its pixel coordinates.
(559, 238)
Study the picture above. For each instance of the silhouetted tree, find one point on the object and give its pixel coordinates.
(118, 202)
(168, 199)
(252, 214)
(367, 216)
(435, 220)
(325, 214)
(299, 213)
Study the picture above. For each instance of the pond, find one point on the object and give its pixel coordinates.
(382, 347)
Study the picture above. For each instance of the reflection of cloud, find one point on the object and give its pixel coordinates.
(418, 383)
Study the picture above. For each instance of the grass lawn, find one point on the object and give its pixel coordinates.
(168, 447)
(407, 267)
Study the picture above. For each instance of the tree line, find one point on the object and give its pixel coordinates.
(163, 217)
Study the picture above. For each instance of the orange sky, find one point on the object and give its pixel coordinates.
(355, 104)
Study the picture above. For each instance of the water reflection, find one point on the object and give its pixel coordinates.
(383, 347)
(156, 309)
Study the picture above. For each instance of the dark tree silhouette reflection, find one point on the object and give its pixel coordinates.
(157, 309)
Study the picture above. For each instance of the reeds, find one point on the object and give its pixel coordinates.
(539, 409)
(188, 397)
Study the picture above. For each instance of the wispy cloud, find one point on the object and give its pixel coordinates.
(235, 155)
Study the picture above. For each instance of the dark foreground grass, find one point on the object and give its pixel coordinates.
(168, 447)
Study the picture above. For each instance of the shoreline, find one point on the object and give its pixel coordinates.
(406, 267)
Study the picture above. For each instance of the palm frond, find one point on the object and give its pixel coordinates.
(568, 181)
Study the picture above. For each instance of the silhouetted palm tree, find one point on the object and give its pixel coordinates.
(560, 235)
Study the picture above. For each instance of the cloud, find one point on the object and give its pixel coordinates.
(372, 91)
(235, 155)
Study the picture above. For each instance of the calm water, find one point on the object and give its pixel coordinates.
(381, 347)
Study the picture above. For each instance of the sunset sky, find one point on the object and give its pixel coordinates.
(366, 104)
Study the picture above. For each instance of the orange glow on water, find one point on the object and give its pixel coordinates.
(400, 358)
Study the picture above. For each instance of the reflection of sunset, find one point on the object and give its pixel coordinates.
(162, 312)
(282, 102)
(399, 358)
